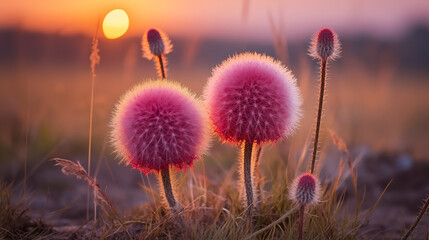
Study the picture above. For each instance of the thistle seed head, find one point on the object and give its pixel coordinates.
(157, 124)
(251, 97)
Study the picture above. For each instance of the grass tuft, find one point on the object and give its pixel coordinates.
(15, 222)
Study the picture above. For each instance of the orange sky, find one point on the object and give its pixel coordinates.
(218, 18)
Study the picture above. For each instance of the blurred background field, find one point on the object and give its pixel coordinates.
(377, 92)
(378, 102)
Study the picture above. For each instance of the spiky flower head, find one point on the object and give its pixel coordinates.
(157, 124)
(251, 97)
(325, 45)
(155, 43)
(305, 190)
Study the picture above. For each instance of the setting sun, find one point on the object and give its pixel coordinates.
(115, 24)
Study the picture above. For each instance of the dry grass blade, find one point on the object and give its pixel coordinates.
(341, 145)
(338, 141)
(279, 40)
(375, 204)
(273, 223)
(419, 217)
(70, 168)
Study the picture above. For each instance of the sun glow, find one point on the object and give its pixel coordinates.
(115, 24)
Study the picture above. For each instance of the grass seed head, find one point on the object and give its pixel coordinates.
(157, 124)
(251, 97)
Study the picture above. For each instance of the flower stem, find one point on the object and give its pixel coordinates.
(419, 217)
(301, 220)
(161, 66)
(319, 112)
(259, 185)
(247, 158)
(168, 189)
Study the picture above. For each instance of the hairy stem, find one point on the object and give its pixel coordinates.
(419, 217)
(247, 167)
(161, 66)
(168, 189)
(259, 185)
(301, 220)
(319, 112)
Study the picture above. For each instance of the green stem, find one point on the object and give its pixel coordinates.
(301, 220)
(319, 112)
(259, 187)
(161, 66)
(247, 158)
(168, 189)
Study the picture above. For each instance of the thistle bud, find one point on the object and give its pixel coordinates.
(155, 43)
(325, 45)
(305, 190)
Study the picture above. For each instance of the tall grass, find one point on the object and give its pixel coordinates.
(15, 222)
(224, 217)
(94, 59)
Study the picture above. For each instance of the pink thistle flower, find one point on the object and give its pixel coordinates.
(325, 45)
(305, 190)
(155, 43)
(158, 124)
(253, 98)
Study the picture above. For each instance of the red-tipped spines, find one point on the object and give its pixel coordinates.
(253, 98)
(158, 124)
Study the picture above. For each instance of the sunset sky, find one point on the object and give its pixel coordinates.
(222, 19)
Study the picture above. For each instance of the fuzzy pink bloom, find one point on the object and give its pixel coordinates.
(157, 124)
(325, 45)
(305, 190)
(252, 97)
(155, 43)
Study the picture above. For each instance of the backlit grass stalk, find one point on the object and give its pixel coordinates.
(341, 145)
(155, 45)
(419, 217)
(27, 132)
(94, 59)
(325, 46)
